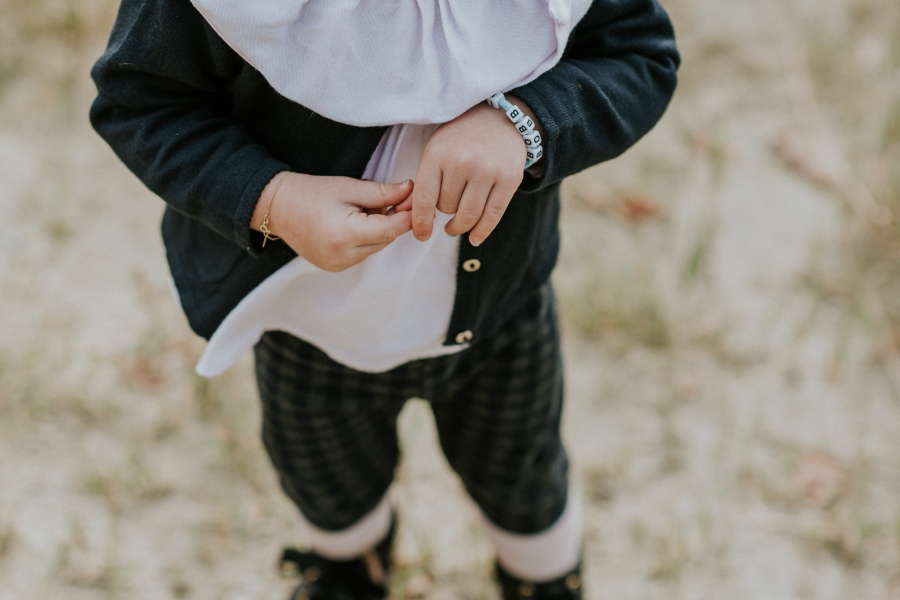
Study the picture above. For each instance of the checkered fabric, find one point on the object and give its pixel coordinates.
(331, 431)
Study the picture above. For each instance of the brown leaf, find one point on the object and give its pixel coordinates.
(141, 372)
(803, 159)
(636, 207)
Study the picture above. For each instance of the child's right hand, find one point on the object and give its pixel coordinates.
(334, 222)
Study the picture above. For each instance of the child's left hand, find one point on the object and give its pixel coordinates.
(471, 167)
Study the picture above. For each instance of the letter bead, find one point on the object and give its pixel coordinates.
(525, 125)
(534, 154)
(532, 139)
(515, 114)
(494, 100)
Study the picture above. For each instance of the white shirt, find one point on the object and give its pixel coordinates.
(391, 308)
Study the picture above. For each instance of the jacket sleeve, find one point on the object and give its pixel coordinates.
(612, 85)
(162, 106)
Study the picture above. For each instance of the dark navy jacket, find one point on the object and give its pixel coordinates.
(206, 132)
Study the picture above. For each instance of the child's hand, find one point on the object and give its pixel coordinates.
(471, 167)
(334, 222)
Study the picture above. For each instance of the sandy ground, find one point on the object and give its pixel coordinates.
(733, 431)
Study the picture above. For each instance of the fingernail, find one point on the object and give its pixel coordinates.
(475, 242)
(404, 182)
(451, 234)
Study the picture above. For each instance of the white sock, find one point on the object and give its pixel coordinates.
(354, 541)
(542, 556)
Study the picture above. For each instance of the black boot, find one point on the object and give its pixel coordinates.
(363, 578)
(567, 587)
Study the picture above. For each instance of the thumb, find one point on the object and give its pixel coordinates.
(381, 195)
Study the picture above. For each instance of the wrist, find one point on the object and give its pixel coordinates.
(525, 123)
(265, 205)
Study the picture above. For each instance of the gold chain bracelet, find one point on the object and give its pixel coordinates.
(264, 228)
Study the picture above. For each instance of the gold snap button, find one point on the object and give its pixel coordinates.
(573, 581)
(289, 568)
(463, 337)
(472, 265)
(526, 590)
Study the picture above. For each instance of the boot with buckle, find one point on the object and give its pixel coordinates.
(321, 578)
(567, 587)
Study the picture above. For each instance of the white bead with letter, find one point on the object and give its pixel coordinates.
(515, 114)
(534, 154)
(532, 139)
(525, 125)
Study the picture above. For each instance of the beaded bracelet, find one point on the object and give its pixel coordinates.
(524, 125)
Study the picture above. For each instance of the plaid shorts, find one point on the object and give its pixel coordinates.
(331, 431)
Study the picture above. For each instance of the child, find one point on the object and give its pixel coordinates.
(273, 130)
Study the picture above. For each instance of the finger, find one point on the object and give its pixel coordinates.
(405, 205)
(452, 188)
(425, 197)
(380, 195)
(401, 222)
(377, 229)
(470, 208)
(494, 208)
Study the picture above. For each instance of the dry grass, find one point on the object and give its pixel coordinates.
(618, 310)
(45, 47)
(854, 70)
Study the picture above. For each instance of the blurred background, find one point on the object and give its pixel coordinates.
(731, 303)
